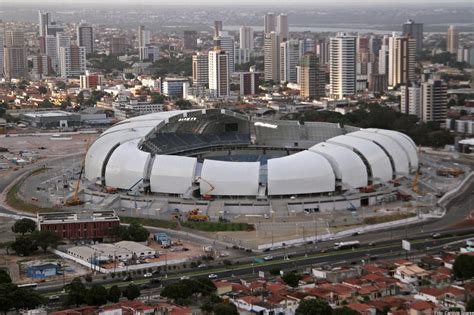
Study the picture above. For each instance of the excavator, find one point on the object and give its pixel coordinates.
(75, 200)
(194, 215)
(206, 195)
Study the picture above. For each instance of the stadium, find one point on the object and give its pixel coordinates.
(242, 164)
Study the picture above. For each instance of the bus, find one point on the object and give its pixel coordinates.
(346, 245)
(28, 286)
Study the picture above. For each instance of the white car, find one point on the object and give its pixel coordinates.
(267, 258)
(184, 278)
(266, 216)
(212, 276)
(147, 275)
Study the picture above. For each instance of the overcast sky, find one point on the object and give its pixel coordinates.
(237, 2)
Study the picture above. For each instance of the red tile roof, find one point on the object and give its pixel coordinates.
(421, 305)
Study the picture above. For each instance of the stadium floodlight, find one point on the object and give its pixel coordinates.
(265, 125)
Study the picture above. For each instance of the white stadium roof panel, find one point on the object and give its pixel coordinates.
(394, 149)
(347, 165)
(98, 151)
(406, 143)
(302, 173)
(230, 178)
(172, 174)
(375, 156)
(126, 166)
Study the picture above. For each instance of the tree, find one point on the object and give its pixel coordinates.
(176, 291)
(157, 98)
(470, 305)
(291, 278)
(76, 293)
(24, 245)
(183, 104)
(5, 277)
(6, 297)
(46, 104)
(225, 309)
(24, 226)
(97, 295)
(463, 267)
(129, 76)
(275, 271)
(114, 294)
(26, 299)
(60, 85)
(137, 232)
(131, 292)
(345, 311)
(209, 303)
(42, 90)
(313, 307)
(45, 239)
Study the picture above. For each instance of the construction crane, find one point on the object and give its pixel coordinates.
(414, 184)
(206, 195)
(75, 200)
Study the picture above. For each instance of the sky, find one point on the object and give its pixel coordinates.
(244, 2)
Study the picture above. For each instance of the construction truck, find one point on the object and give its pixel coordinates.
(367, 189)
(403, 197)
(449, 171)
(110, 190)
(196, 216)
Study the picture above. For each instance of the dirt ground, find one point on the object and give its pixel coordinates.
(175, 252)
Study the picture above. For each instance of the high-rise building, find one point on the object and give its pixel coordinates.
(242, 56)
(219, 74)
(72, 61)
(44, 22)
(434, 100)
(269, 23)
(249, 82)
(322, 51)
(312, 77)
(85, 36)
(383, 56)
(291, 52)
(309, 45)
(52, 50)
(52, 45)
(282, 27)
(342, 66)
(465, 54)
(200, 69)
(414, 30)
(271, 57)
(452, 39)
(54, 28)
(217, 28)
(143, 36)
(226, 43)
(41, 66)
(378, 83)
(246, 38)
(149, 52)
(90, 80)
(15, 55)
(118, 45)
(402, 52)
(2, 44)
(190, 39)
(410, 100)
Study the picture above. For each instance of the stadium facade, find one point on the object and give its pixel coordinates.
(221, 154)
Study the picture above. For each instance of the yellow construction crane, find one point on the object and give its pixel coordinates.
(75, 200)
(206, 195)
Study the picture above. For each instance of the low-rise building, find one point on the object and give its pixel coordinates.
(84, 225)
(141, 251)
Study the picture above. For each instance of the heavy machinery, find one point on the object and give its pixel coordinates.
(75, 200)
(367, 189)
(449, 171)
(206, 195)
(195, 216)
(110, 190)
